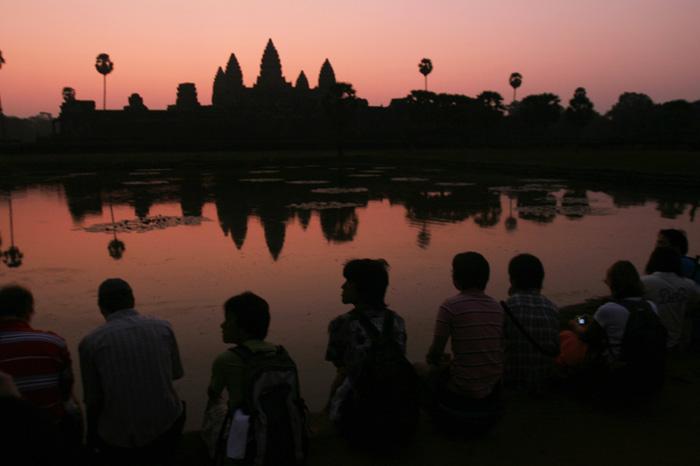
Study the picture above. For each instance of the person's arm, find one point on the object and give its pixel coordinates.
(335, 353)
(66, 379)
(217, 382)
(178, 372)
(436, 353)
(592, 333)
(92, 392)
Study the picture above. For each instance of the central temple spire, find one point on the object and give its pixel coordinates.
(270, 69)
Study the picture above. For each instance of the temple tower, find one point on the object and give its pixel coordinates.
(270, 69)
(302, 83)
(326, 77)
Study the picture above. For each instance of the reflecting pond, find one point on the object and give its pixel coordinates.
(187, 240)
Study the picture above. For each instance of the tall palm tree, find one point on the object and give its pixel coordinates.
(2, 115)
(339, 105)
(425, 67)
(104, 65)
(2, 62)
(516, 79)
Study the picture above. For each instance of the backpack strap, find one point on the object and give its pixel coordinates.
(243, 352)
(633, 305)
(552, 354)
(372, 331)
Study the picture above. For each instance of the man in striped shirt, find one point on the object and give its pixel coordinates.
(473, 322)
(38, 361)
(128, 365)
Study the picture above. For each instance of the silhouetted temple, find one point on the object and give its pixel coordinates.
(273, 112)
(273, 109)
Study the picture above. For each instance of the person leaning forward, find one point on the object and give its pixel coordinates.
(127, 366)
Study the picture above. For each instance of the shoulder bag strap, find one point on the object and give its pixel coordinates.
(522, 330)
(367, 324)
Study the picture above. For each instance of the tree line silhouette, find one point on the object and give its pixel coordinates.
(274, 112)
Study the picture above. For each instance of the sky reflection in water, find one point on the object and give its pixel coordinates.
(188, 240)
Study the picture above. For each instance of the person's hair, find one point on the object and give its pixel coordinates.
(470, 270)
(114, 295)
(250, 312)
(676, 239)
(623, 280)
(526, 272)
(664, 259)
(370, 277)
(16, 301)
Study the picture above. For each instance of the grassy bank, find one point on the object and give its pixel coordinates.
(643, 163)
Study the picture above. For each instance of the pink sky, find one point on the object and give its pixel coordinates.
(607, 46)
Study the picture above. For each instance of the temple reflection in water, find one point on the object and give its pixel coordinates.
(278, 196)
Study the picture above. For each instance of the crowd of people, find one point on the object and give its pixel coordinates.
(255, 413)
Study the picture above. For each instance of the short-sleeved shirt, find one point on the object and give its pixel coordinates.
(526, 366)
(672, 295)
(613, 317)
(39, 363)
(227, 373)
(348, 341)
(128, 365)
(474, 323)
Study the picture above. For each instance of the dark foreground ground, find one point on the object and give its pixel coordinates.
(555, 430)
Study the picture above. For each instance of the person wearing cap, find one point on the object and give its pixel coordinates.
(128, 365)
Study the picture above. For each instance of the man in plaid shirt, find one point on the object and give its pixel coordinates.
(527, 366)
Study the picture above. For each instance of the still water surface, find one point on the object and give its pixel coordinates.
(187, 240)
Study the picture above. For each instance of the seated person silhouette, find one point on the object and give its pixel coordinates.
(374, 391)
(466, 385)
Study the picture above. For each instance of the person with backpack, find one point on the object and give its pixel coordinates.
(374, 395)
(626, 339)
(266, 416)
(467, 384)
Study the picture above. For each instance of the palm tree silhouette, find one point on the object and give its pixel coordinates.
(2, 115)
(2, 62)
(104, 66)
(339, 105)
(516, 79)
(115, 247)
(13, 256)
(425, 67)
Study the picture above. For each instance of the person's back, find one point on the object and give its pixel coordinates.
(127, 366)
(529, 366)
(473, 321)
(672, 293)
(134, 356)
(37, 360)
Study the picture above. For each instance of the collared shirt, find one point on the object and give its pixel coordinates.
(39, 363)
(228, 372)
(128, 365)
(348, 341)
(526, 366)
(474, 323)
